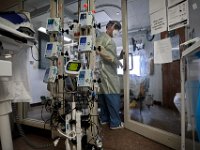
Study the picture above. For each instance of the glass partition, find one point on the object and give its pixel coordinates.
(192, 96)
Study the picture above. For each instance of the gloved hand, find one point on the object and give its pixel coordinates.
(118, 63)
(121, 55)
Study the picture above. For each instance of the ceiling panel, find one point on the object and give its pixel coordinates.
(5, 5)
(31, 5)
(110, 8)
(102, 17)
(40, 20)
(104, 2)
(72, 7)
(138, 14)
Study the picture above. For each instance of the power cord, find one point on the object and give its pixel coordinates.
(21, 132)
(32, 54)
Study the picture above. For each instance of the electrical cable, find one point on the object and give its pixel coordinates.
(21, 132)
(98, 132)
(46, 123)
(32, 54)
(73, 133)
(42, 113)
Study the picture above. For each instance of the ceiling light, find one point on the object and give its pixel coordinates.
(67, 39)
(8, 56)
(71, 44)
(43, 30)
(117, 13)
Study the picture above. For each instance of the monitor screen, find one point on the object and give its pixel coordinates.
(73, 66)
(82, 75)
(83, 40)
(49, 46)
(50, 21)
(83, 16)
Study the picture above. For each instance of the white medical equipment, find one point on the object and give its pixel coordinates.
(53, 25)
(86, 19)
(72, 67)
(5, 68)
(85, 44)
(72, 74)
(5, 131)
(53, 71)
(18, 83)
(85, 78)
(53, 50)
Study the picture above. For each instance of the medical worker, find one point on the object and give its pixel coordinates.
(109, 95)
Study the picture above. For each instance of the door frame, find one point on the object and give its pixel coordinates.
(166, 138)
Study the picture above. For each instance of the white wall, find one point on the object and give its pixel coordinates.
(37, 87)
(194, 30)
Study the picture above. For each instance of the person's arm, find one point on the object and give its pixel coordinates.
(102, 42)
(108, 57)
(105, 54)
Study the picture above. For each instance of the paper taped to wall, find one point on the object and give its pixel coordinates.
(162, 51)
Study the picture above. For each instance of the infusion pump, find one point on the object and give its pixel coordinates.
(53, 25)
(53, 50)
(86, 19)
(85, 43)
(50, 74)
(85, 78)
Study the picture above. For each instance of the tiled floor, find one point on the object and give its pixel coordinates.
(112, 140)
(127, 140)
(122, 139)
(158, 117)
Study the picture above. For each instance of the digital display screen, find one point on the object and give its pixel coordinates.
(72, 66)
(83, 16)
(49, 46)
(82, 75)
(50, 21)
(83, 40)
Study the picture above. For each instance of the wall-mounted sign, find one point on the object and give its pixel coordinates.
(155, 5)
(174, 2)
(178, 16)
(158, 21)
(158, 16)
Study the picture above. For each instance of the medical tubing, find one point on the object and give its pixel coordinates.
(21, 132)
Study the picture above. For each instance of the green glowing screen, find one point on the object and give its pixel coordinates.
(73, 66)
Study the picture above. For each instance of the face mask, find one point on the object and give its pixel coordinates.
(115, 33)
